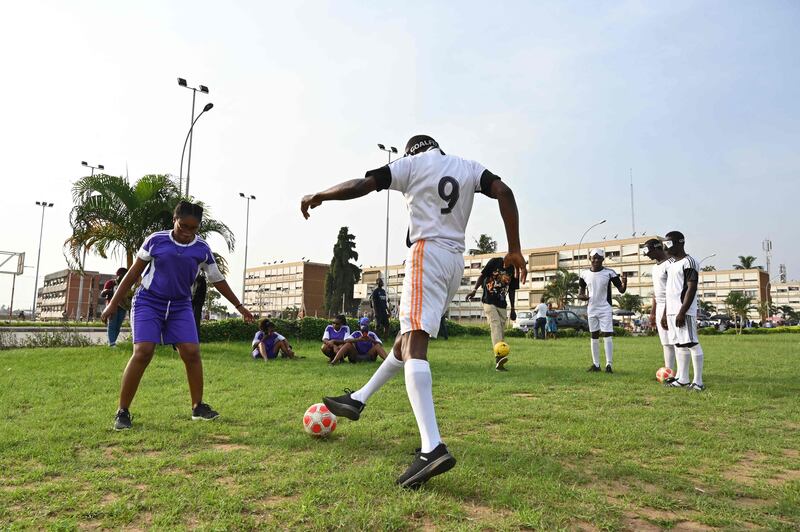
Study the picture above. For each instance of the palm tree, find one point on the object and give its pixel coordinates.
(707, 307)
(485, 244)
(739, 304)
(632, 302)
(563, 288)
(746, 263)
(708, 269)
(111, 215)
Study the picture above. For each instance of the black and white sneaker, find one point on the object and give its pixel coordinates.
(344, 405)
(499, 365)
(426, 466)
(608, 369)
(204, 412)
(694, 387)
(593, 368)
(122, 421)
(674, 383)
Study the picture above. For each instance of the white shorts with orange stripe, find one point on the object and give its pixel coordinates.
(432, 277)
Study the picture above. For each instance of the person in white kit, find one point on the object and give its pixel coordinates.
(654, 249)
(680, 318)
(439, 191)
(595, 287)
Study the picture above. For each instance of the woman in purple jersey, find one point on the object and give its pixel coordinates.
(334, 336)
(168, 263)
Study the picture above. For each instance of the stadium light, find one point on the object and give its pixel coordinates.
(390, 150)
(584, 234)
(247, 197)
(204, 89)
(188, 139)
(83, 261)
(43, 205)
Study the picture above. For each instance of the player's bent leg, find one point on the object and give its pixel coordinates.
(190, 354)
(377, 351)
(131, 377)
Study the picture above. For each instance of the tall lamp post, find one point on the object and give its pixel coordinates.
(79, 306)
(43, 205)
(699, 264)
(390, 150)
(248, 197)
(192, 120)
(584, 234)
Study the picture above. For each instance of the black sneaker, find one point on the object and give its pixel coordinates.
(499, 365)
(344, 405)
(204, 412)
(122, 421)
(425, 466)
(672, 382)
(593, 368)
(694, 387)
(608, 369)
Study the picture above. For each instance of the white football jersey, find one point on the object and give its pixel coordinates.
(660, 281)
(439, 190)
(679, 273)
(598, 285)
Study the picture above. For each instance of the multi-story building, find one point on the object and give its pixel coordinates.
(786, 294)
(714, 287)
(622, 255)
(58, 297)
(276, 289)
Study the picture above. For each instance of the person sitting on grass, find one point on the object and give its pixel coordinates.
(267, 343)
(362, 345)
(334, 336)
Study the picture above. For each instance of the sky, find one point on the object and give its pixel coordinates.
(697, 101)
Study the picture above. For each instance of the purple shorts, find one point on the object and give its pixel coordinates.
(162, 321)
(269, 347)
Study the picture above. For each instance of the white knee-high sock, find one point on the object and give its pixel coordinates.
(697, 363)
(669, 356)
(682, 355)
(388, 369)
(419, 386)
(595, 351)
(609, 348)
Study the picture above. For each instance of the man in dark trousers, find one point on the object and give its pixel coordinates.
(380, 308)
(115, 322)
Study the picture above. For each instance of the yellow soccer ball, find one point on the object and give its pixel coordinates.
(501, 349)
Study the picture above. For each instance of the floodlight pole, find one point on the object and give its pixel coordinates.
(79, 306)
(42, 204)
(582, 237)
(248, 197)
(192, 120)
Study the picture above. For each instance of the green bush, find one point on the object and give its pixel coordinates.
(764, 330)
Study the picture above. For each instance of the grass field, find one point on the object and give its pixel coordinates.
(543, 446)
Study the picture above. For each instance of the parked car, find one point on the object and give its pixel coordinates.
(525, 321)
(568, 319)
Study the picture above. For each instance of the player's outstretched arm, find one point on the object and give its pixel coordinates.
(224, 288)
(347, 190)
(510, 215)
(131, 277)
(622, 285)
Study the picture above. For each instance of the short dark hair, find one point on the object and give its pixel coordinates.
(187, 208)
(265, 323)
(653, 243)
(122, 271)
(675, 235)
(341, 317)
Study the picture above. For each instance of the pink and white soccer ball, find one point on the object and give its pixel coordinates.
(318, 420)
(664, 374)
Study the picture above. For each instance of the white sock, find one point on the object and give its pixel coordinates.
(596, 351)
(697, 363)
(388, 369)
(419, 386)
(682, 355)
(669, 356)
(609, 348)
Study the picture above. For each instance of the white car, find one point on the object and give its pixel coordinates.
(525, 320)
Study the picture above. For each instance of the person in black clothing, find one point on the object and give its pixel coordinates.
(199, 291)
(380, 309)
(496, 282)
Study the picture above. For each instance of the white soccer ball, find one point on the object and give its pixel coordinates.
(318, 420)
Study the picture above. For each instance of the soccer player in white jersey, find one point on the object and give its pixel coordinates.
(653, 249)
(680, 318)
(595, 287)
(439, 191)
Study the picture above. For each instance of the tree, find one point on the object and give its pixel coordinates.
(342, 274)
(708, 269)
(746, 263)
(766, 309)
(562, 288)
(485, 245)
(627, 301)
(739, 304)
(707, 307)
(111, 215)
(213, 304)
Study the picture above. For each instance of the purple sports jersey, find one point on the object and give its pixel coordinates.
(173, 266)
(332, 334)
(364, 347)
(269, 342)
